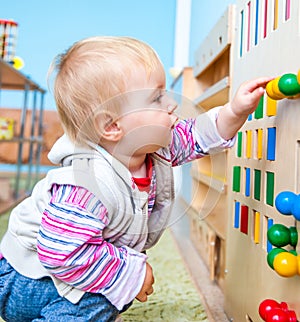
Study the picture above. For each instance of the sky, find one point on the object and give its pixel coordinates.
(47, 28)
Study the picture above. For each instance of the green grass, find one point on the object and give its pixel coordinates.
(3, 223)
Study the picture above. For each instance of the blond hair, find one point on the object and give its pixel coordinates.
(91, 73)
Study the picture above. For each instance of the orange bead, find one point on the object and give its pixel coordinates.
(286, 264)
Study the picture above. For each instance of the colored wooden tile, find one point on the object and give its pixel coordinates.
(247, 182)
(236, 222)
(271, 143)
(256, 22)
(259, 143)
(239, 144)
(271, 107)
(256, 230)
(259, 112)
(275, 21)
(270, 189)
(248, 144)
(257, 184)
(249, 26)
(287, 9)
(244, 219)
(236, 184)
(265, 19)
(242, 33)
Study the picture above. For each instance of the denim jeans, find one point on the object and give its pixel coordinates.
(24, 299)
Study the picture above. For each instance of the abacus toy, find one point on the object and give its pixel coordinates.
(285, 86)
(285, 263)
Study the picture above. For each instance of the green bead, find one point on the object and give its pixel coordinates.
(272, 254)
(292, 251)
(293, 236)
(278, 235)
(288, 84)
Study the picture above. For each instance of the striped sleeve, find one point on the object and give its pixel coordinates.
(184, 147)
(195, 138)
(71, 247)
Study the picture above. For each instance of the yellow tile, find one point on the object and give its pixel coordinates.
(271, 107)
(256, 227)
(259, 143)
(248, 144)
(275, 25)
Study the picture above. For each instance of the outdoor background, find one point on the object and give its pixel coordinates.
(47, 28)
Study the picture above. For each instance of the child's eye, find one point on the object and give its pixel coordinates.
(158, 98)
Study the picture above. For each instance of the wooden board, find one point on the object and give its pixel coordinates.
(266, 44)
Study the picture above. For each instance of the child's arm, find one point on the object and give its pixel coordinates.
(234, 114)
(71, 246)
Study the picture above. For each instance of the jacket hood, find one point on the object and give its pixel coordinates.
(64, 151)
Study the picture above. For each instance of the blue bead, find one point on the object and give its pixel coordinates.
(284, 202)
(296, 208)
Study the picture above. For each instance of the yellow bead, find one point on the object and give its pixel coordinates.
(270, 91)
(298, 263)
(286, 264)
(276, 89)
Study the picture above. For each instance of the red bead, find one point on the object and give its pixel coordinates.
(277, 315)
(266, 306)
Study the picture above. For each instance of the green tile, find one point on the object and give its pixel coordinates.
(270, 189)
(257, 184)
(239, 144)
(259, 112)
(236, 183)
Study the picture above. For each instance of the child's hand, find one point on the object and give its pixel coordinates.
(248, 95)
(233, 115)
(147, 288)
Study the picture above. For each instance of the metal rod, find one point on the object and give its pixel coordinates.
(20, 150)
(31, 144)
(40, 135)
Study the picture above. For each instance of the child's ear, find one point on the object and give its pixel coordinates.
(108, 127)
(112, 132)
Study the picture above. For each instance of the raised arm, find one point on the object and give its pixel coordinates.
(234, 114)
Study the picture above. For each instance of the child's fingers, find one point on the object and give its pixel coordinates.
(257, 83)
(258, 92)
(255, 96)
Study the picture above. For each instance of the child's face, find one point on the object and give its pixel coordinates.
(148, 114)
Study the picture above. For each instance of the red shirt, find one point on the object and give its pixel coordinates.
(144, 183)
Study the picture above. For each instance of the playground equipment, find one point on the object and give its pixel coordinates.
(8, 39)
